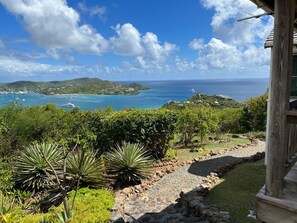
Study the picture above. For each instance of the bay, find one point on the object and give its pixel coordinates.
(160, 93)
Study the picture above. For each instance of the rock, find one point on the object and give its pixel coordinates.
(127, 190)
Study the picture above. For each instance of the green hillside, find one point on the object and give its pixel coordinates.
(75, 86)
(200, 99)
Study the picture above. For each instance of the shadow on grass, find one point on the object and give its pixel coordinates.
(178, 213)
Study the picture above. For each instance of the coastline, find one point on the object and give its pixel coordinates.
(160, 93)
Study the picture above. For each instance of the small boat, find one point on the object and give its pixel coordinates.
(193, 90)
(69, 105)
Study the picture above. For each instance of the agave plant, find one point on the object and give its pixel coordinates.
(32, 172)
(128, 163)
(85, 166)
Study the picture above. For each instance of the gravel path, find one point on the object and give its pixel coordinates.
(159, 202)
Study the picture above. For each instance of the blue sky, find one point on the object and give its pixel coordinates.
(131, 39)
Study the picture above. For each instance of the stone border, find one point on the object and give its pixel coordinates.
(195, 202)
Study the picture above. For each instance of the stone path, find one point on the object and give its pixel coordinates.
(160, 202)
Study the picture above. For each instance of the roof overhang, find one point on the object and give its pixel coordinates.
(268, 6)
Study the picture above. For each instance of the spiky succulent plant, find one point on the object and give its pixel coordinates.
(84, 165)
(128, 163)
(32, 172)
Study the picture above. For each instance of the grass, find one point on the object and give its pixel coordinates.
(184, 153)
(236, 191)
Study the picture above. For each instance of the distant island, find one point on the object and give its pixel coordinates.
(75, 86)
(200, 99)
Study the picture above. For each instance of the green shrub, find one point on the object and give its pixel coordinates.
(151, 128)
(128, 163)
(229, 120)
(254, 114)
(170, 154)
(20, 126)
(91, 206)
(6, 182)
(7, 203)
(196, 122)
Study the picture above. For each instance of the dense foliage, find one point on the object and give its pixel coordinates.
(152, 129)
(98, 130)
(196, 122)
(255, 113)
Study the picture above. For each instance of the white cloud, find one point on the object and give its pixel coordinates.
(128, 41)
(256, 56)
(226, 27)
(228, 9)
(22, 68)
(218, 54)
(182, 64)
(196, 44)
(100, 11)
(155, 51)
(235, 45)
(55, 26)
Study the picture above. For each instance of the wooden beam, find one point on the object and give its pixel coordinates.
(280, 87)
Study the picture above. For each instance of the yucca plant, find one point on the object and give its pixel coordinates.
(128, 163)
(84, 165)
(32, 172)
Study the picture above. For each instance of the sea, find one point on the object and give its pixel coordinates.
(160, 92)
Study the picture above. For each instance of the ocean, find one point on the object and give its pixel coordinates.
(160, 93)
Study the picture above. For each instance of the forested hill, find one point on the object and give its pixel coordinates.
(200, 99)
(75, 86)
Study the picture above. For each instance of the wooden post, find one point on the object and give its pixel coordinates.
(279, 101)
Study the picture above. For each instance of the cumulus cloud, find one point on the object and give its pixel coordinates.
(146, 48)
(197, 44)
(183, 65)
(156, 51)
(235, 45)
(218, 54)
(55, 26)
(128, 41)
(99, 11)
(226, 27)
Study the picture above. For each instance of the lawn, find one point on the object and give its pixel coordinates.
(236, 191)
(225, 142)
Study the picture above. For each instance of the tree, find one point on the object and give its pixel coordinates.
(255, 113)
(186, 125)
(207, 122)
(199, 121)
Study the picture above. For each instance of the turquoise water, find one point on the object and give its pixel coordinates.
(160, 93)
